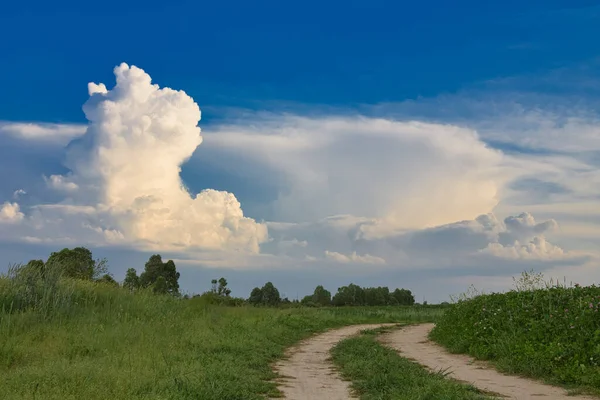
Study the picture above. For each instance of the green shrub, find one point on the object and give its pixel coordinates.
(551, 333)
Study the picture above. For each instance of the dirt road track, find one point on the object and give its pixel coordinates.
(307, 375)
(412, 343)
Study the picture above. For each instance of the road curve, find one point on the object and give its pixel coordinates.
(412, 343)
(307, 373)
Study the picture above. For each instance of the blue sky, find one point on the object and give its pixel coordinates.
(238, 53)
(365, 110)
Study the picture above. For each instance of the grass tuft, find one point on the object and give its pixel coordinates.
(378, 372)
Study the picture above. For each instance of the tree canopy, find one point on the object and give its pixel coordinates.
(154, 269)
(267, 295)
(75, 263)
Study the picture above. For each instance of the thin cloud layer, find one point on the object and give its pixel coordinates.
(45, 132)
(376, 168)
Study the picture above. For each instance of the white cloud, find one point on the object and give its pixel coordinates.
(18, 193)
(537, 248)
(59, 182)
(366, 258)
(46, 132)
(10, 213)
(124, 181)
(353, 192)
(391, 170)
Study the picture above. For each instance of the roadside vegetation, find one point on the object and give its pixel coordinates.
(540, 329)
(378, 372)
(68, 330)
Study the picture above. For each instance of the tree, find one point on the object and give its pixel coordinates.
(321, 296)
(308, 301)
(378, 296)
(255, 296)
(76, 263)
(160, 286)
(267, 295)
(33, 269)
(155, 268)
(351, 295)
(270, 295)
(132, 281)
(222, 289)
(403, 297)
(108, 280)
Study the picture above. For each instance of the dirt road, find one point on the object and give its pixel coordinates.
(308, 375)
(412, 343)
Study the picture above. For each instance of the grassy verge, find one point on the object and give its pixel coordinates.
(550, 333)
(82, 340)
(378, 372)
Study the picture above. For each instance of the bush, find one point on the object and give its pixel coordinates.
(551, 332)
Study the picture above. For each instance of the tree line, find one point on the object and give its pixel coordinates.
(162, 278)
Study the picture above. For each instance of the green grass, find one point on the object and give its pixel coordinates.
(378, 372)
(550, 333)
(82, 340)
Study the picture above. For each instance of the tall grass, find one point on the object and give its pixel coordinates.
(549, 331)
(66, 339)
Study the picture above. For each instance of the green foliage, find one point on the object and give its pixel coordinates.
(378, 372)
(108, 280)
(255, 296)
(219, 294)
(551, 332)
(160, 286)
(321, 296)
(132, 281)
(403, 297)
(154, 269)
(222, 289)
(216, 299)
(268, 295)
(354, 295)
(351, 295)
(84, 340)
(74, 263)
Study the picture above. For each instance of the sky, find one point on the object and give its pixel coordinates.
(428, 146)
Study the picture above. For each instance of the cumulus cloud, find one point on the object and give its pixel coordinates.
(59, 182)
(514, 237)
(10, 213)
(347, 239)
(124, 181)
(537, 248)
(350, 190)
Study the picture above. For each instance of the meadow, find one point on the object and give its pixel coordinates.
(542, 330)
(72, 339)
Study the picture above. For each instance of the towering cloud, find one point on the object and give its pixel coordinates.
(127, 164)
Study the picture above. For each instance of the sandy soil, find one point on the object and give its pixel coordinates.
(412, 343)
(307, 373)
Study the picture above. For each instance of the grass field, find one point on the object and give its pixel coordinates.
(378, 372)
(551, 333)
(83, 340)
